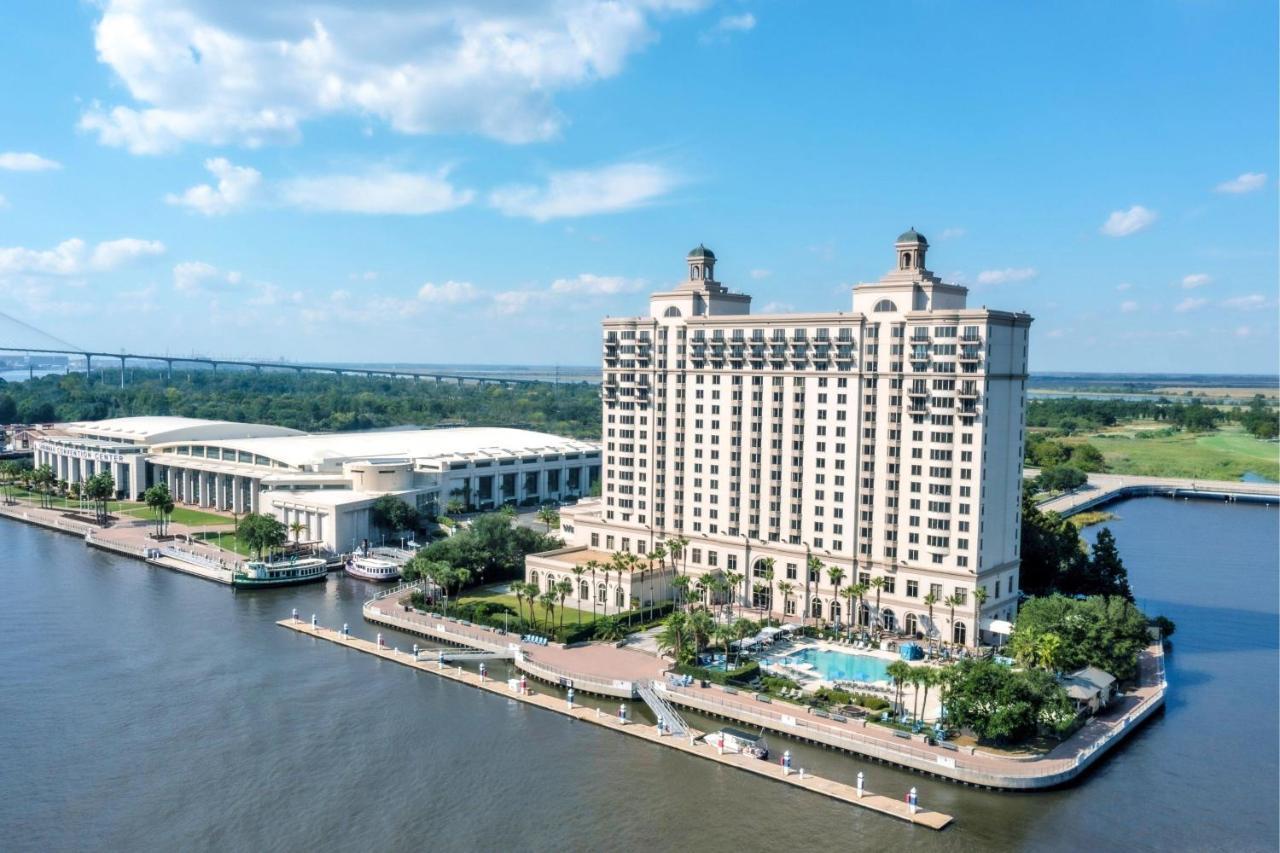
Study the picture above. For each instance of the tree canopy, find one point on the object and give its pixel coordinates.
(261, 532)
(1002, 704)
(491, 549)
(1103, 631)
(394, 515)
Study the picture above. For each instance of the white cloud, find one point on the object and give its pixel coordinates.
(515, 301)
(381, 192)
(1007, 275)
(448, 293)
(596, 285)
(25, 161)
(1122, 223)
(1128, 306)
(737, 23)
(254, 73)
(1246, 183)
(69, 257)
(236, 185)
(585, 192)
(1243, 332)
(190, 276)
(952, 233)
(1252, 302)
(115, 253)
(1199, 279)
(758, 274)
(1191, 303)
(1124, 286)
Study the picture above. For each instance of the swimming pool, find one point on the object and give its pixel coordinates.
(842, 666)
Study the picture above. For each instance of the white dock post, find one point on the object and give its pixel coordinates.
(913, 800)
(859, 784)
(313, 622)
(786, 763)
(570, 698)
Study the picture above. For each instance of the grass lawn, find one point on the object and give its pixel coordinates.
(1227, 454)
(572, 616)
(182, 515)
(229, 541)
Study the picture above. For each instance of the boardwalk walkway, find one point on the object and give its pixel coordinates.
(1105, 488)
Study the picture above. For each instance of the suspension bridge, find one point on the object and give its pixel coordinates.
(21, 338)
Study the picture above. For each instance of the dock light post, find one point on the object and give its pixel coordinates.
(786, 763)
(524, 686)
(570, 698)
(622, 714)
(440, 658)
(859, 785)
(661, 728)
(346, 630)
(313, 622)
(913, 800)
(379, 639)
(295, 614)
(415, 651)
(482, 672)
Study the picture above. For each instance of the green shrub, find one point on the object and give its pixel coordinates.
(748, 672)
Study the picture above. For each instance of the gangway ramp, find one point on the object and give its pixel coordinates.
(662, 709)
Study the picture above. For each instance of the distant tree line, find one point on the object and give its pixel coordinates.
(1069, 415)
(310, 402)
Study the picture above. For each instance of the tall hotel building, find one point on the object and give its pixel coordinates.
(885, 440)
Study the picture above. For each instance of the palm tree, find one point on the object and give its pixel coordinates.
(723, 635)
(851, 594)
(835, 574)
(658, 554)
(877, 583)
(578, 572)
(930, 600)
(951, 601)
(531, 595)
(674, 635)
(928, 678)
(1049, 651)
(899, 672)
(676, 547)
(917, 678)
(979, 599)
(701, 585)
(592, 566)
(548, 602)
(861, 589)
(787, 589)
(563, 589)
(701, 627)
(297, 527)
(681, 584)
(733, 579)
(743, 628)
(518, 589)
(547, 515)
(812, 565)
(758, 590)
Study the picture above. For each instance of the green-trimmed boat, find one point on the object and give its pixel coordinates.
(258, 573)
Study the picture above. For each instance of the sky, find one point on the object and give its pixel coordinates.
(481, 181)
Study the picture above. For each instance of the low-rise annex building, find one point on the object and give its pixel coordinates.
(326, 482)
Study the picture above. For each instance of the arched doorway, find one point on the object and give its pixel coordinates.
(912, 624)
(815, 608)
(835, 612)
(958, 634)
(888, 620)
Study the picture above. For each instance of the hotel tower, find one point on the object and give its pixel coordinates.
(883, 441)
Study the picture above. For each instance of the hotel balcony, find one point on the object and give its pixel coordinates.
(970, 354)
(969, 391)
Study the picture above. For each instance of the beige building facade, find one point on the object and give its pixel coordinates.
(883, 442)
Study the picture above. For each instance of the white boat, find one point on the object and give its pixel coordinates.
(372, 569)
(280, 573)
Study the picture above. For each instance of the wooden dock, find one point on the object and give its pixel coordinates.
(835, 790)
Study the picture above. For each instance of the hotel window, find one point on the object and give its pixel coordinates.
(935, 589)
(962, 595)
(913, 589)
(595, 540)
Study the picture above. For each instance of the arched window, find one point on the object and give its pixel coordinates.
(533, 578)
(835, 612)
(906, 260)
(584, 591)
(913, 625)
(551, 583)
(602, 594)
(815, 608)
(864, 615)
(958, 634)
(759, 568)
(888, 620)
(673, 311)
(885, 305)
(762, 596)
(619, 601)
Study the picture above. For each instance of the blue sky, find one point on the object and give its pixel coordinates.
(481, 181)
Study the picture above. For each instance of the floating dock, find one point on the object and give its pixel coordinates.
(835, 790)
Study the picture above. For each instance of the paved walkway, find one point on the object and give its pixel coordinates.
(1103, 488)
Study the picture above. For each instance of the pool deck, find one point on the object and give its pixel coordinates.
(879, 803)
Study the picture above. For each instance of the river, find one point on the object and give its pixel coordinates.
(148, 710)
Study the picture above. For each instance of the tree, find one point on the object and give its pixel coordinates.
(786, 589)
(733, 579)
(100, 488)
(296, 529)
(877, 583)
(1001, 704)
(675, 637)
(929, 601)
(455, 506)
(743, 628)
(578, 572)
(835, 574)
(261, 532)
(593, 566)
(701, 628)
(852, 595)
(563, 588)
(929, 678)
(898, 672)
(548, 602)
(681, 584)
(1061, 478)
(392, 515)
(861, 589)
(979, 599)
(1051, 550)
(1107, 574)
(952, 602)
(547, 515)
(723, 634)
(677, 547)
(8, 409)
(1106, 632)
(516, 588)
(156, 498)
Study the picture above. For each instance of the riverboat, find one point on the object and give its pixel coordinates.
(736, 740)
(372, 569)
(258, 573)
